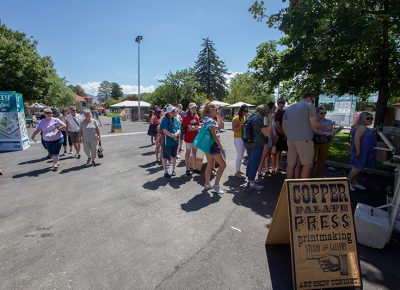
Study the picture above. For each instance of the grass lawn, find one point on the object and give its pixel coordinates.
(111, 115)
(340, 148)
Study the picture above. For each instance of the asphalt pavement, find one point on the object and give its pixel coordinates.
(121, 225)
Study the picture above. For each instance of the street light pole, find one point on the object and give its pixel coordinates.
(138, 40)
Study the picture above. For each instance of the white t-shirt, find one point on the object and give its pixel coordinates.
(72, 125)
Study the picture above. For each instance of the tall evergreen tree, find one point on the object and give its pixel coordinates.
(210, 72)
(116, 91)
(104, 91)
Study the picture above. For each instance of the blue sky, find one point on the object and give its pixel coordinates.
(91, 41)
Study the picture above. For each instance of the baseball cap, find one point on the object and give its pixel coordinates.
(169, 109)
(191, 105)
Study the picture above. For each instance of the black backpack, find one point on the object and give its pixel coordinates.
(248, 130)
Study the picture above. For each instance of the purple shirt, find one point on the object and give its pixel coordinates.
(48, 126)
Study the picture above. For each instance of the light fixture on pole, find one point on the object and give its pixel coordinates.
(138, 40)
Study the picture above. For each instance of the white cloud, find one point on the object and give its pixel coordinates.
(92, 88)
(231, 75)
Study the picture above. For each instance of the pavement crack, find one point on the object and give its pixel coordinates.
(201, 249)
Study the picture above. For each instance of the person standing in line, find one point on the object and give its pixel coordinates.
(261, 130)
(170, 126)
(191, 124)
(299, 122)
(52, 136)
(63, 118)
(97, 117)
(73, 125)
(89, 134)
(363, 152)
(281, 142)
(321, 140)
(156, 120)
(154, 123)
(237, 126)
(179, 114)
(268, 155)
(216, 150)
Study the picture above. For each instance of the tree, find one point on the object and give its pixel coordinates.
(211, 72)
(337, 47)
(104, 91)
(246, 88)
(179, 87)
(78, 90)
(116, 91)
(22, 69)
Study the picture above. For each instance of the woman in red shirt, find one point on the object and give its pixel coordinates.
(191, 123)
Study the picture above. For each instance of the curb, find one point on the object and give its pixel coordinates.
(348, 166)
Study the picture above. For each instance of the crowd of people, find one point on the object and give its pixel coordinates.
(260, 138)
(70, 128)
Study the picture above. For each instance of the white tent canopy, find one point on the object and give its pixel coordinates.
(239, 104)
(37, 106)
(131, 104)
(220, 104)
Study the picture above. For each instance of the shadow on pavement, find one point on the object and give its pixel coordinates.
(154, 170)
(279, 265)
(148, 165)
(33, 161)
(76, 168)
(200, 201)
(148, 153)
(177, 181)
(155, 184)
(33, 173)
(146, 146)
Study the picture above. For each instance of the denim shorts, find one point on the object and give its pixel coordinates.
(215, 150)
(169, 152)
(53, 147)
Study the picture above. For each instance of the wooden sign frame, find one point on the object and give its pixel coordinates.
(314, 216)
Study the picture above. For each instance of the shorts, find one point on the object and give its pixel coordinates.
(302, 150)
(53, 147)
(74, 137)
(281, 143)
(169, 152)
(189, 146)
(215, 150)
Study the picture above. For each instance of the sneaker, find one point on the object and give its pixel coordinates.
(196, 171)
(359, 186)
(93, 163)
(207, 186)
(218, 189)
(255, 186)
(188, 172)
(214, 172)
(352, 188)
(78, 156)
(70, 152)
(88, 161)
(166, 175)
(173, 173)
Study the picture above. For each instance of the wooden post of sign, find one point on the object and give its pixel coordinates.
(315, 217)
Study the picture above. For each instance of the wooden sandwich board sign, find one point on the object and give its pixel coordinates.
(116, 125)
(315, 217)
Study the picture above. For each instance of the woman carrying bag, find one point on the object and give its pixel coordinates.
(89, 133)
(208, 141)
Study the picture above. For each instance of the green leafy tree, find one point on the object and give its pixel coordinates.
(116, 91)
(246, 88)
(337, 47)
(211, 72)
(179, 87)
(78, 90)
(104, 91)
(22, 69)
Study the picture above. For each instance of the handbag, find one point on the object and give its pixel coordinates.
(100, 150)
(152, 131)
(204, 140)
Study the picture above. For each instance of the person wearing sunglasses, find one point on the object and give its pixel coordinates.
(52, 136)
(321, 140)
(363, 152)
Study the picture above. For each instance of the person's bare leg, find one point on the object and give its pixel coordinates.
(264, 155)
(210, 165)
(278, 160)
(187, 155)
(290, 171)
(297, 169)
(221, 168)
(194, 151)
(353, 175)
(173, 163)
(306, 171)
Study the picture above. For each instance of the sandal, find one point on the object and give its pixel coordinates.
(88, 161)
(239, 175)
(93, 163)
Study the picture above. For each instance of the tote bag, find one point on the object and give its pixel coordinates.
(204, 140)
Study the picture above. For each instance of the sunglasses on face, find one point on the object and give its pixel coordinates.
(281, 102)
(322, 113)
(369, 118)
(48, 113)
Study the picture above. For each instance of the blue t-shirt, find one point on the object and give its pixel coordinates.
(171, 125)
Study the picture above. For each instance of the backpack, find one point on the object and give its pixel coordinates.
(248, 130)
